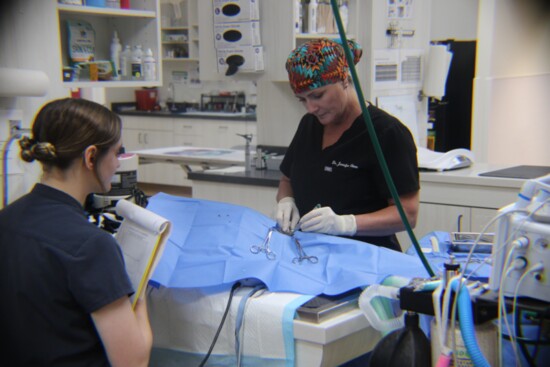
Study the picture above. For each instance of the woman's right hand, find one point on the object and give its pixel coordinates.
(287, 214)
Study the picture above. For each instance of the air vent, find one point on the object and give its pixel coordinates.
(386, 73)
(410, 69)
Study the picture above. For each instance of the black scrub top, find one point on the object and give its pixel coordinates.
(346, 176)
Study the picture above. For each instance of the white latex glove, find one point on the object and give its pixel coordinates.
(324, 220)
(287, 214)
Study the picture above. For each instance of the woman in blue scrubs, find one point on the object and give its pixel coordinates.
(63, 281)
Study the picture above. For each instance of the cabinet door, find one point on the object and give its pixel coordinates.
(156, 172)
(132, 139)
(190, 133)
(225, 134)
(436, 217)
(480, 218)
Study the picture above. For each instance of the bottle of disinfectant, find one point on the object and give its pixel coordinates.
(125, 58)
(137, 71)
(116, 49)
(149, 66)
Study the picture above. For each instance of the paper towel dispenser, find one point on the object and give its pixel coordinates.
(23, 82)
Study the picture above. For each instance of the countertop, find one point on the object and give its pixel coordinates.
(254, 177)
(193, 115)
(270, 178)
(128, 109)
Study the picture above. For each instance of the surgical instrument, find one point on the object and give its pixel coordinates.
(255, 249)
(302, 254)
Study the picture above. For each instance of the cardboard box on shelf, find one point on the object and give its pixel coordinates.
(252, 58)
(234, 35)
(235, 10)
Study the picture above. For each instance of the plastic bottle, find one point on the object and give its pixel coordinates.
(113, 4)
(125, 57)
(344, 14)
(136, 63)
(149, 66)
(297, 16)
(312, 17)
(116, 49)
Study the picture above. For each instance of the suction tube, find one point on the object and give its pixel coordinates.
(467, 325)
(374, 139)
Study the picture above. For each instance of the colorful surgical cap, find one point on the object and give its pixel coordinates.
(318, 63)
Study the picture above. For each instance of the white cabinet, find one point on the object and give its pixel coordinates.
(140, 133)
(213, 133)
(461, 200)
(179, 31)
(136, 26)
(145, 133)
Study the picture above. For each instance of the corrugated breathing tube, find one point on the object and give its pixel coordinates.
(467, 325)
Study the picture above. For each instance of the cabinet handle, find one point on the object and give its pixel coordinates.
(459, 223)
(145, 138)
(139, 138)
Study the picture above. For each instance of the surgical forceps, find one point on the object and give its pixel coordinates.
(302, 254)
(255, 249)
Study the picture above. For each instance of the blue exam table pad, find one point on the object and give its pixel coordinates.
(210, 245)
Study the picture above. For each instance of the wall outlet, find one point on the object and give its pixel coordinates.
(15, 127)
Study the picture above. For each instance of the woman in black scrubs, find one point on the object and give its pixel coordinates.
(331, 174)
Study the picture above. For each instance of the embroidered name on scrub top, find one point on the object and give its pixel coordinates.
(345, 165)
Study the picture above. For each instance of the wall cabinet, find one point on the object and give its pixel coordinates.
(179, 31)
(148, 133)
(136, 26)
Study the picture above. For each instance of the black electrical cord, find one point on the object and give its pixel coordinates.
(522, 341)
(374, 139)
(233, 289)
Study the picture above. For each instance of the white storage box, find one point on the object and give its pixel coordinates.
(236, 35)
(273, 162)
(253, 58)
(235, 10)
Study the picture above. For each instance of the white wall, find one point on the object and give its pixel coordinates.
(452, 19)
(28, 40)
(512, 84)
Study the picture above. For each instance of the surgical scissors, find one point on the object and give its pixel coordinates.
(255, 249)
(302, 254)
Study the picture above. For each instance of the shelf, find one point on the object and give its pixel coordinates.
(112, 84)
(174, 29)
(90, 10)
(175, 42)
(179, 59)
(307, 36)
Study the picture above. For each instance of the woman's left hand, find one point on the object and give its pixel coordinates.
(324, 220)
